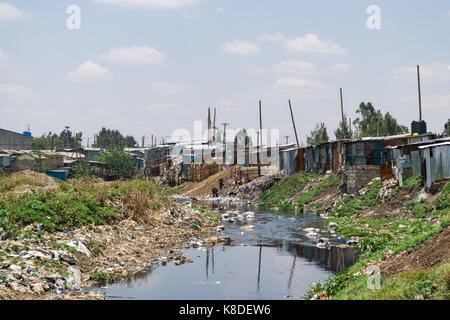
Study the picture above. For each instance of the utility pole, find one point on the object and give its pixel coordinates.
(420, 97)
(287, 139)
(350, 127)
(293, 123)
(209, 125)
(259, 144)
(342, 112)
(143, 141)
(225, 124)
(378, 126)
(260, 123)
(214, 126)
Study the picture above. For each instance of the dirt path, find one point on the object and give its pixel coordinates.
(429, 254)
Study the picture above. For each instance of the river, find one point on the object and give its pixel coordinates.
(275, 260)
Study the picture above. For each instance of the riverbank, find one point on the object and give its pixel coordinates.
(403, 234)
(59, 238)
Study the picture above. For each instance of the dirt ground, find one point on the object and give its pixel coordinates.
(106, 252)
(204, 188)
(431, 253)
(29, 179)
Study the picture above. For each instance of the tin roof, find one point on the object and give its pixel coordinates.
(447, 143)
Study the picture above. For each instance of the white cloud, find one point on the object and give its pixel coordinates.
(149, 3)
(341, 67)
(240, 47)
(134, 55)
(311, 43)
(8, 12)
(274, 37)
(255, 69)
(16, 93)
(3, 59)
(160, 106)
(170, 87)
(294, 67)
(435, 70)
(88, 71)
(298, 83)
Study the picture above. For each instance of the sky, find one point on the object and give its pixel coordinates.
(153, 66)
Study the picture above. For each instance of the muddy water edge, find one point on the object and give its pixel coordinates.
(271, 256)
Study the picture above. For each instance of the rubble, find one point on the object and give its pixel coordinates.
(388, 188)
(56, 265)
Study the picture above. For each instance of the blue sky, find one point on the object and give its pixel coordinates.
(151, 66)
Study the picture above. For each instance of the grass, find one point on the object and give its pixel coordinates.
(416, 284)
(397, 234)
(287, 194)
(412, 182)
(9, 182)
(76, 204)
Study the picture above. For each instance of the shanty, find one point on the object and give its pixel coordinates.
(187, 150)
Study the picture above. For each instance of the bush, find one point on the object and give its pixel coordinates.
(118, 162)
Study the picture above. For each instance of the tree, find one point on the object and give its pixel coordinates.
(118, 162)
(48, 141)
(446, 132)
(367, 123)
(343, 131)
(242, 138)
(390, 127)
(318, 135)
(130, 142)
(113, 139)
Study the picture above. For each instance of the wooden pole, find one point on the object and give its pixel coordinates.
(378, 126)
(260, 137)
(342, 112)
(209, 125)
(350, 127)
(293, 123)
(420, 97)
(260, 122)
(214, 134)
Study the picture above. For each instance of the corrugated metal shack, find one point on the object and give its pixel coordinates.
(156, 158)
(290, 160)
(91, 154)
(407, 160)
(437, 162)
(5, 160)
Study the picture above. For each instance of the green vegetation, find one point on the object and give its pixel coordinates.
(412, 182)
(370, 120)
(326, 184)
(288, 193)
(318, 135)
(118, 162)
(281, 195)
(113, 139)
(9, 182)
(76, 204)
(397, 234)
(343, 131)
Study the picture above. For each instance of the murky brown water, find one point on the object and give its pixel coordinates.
(275, 260)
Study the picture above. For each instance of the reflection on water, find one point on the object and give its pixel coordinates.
(273, 261)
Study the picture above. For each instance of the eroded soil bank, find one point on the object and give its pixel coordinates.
(58, 238)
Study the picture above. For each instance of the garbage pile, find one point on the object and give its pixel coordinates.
(57, 265)
(254, 188)
(332, 239)
(388, 188)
